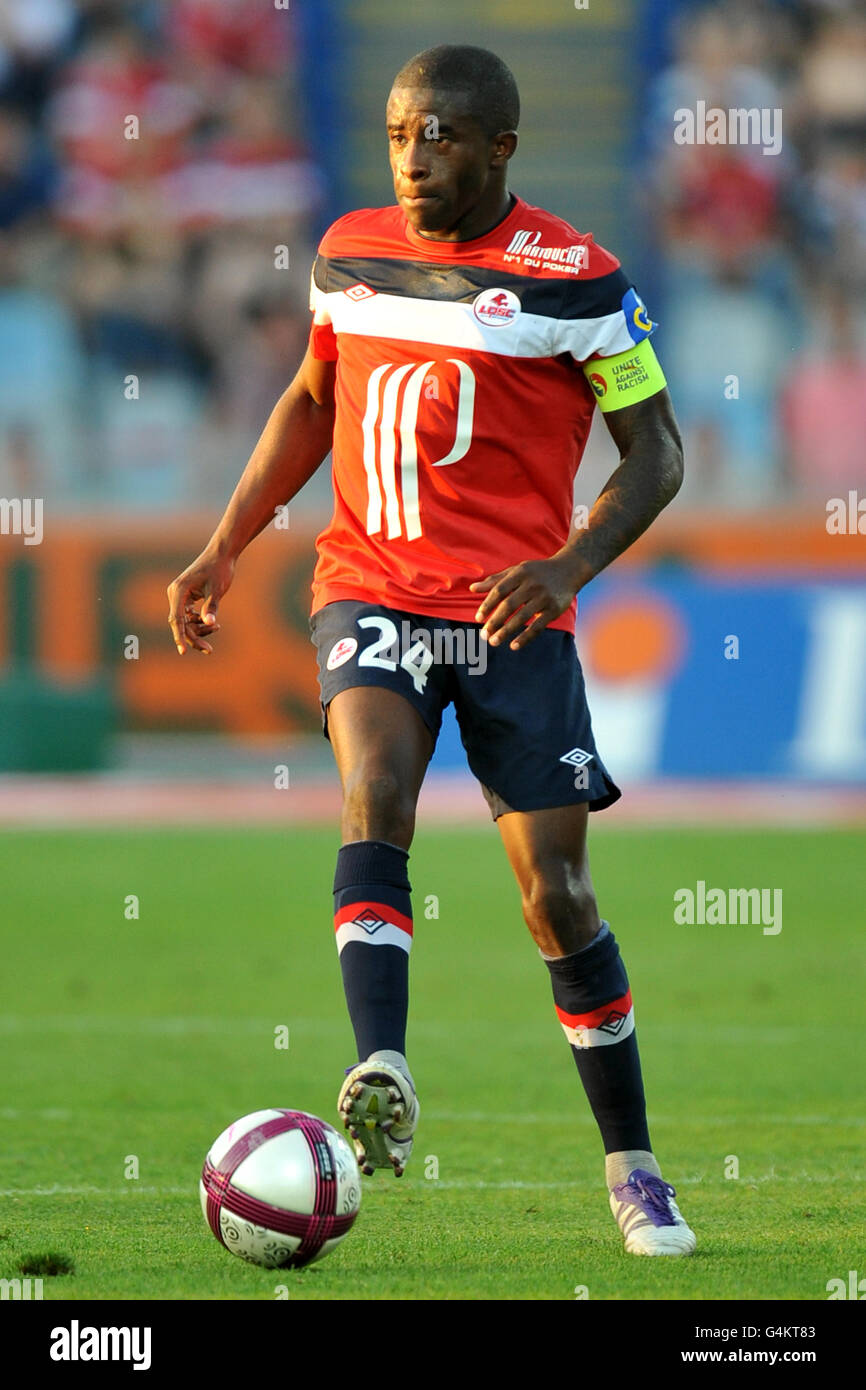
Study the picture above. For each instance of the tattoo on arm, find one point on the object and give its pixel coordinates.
(648, 478)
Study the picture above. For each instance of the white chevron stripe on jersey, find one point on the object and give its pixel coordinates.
(409, 450)
(388, 448)
(384, 428)
(368, 431)
(465, 415)
(453, 325)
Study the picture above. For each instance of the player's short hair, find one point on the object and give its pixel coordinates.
(477, 72)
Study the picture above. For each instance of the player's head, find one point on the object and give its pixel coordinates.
(452, 121)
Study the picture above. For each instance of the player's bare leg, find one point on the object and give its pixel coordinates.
(547, 851)
(382, 747)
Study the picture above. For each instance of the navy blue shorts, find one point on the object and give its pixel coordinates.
(523, 716)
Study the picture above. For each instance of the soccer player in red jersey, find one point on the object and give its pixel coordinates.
(460, 343)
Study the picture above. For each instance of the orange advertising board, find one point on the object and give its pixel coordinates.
(69, 607)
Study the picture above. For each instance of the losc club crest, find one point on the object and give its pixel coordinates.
(496, 308)
(341, 652)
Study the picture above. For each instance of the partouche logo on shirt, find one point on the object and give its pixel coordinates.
(496, 308)
(524, 246)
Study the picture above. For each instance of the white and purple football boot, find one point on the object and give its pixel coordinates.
(648, 1216)
(378, 1106)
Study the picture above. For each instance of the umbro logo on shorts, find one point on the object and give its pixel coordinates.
(577, 757)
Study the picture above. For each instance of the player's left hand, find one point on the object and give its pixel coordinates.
(523, 599)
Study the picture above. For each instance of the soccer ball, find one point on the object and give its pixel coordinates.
(280, 1188)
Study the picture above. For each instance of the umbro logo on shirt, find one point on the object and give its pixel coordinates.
(359, 291)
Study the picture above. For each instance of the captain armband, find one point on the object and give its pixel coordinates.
(625, 379)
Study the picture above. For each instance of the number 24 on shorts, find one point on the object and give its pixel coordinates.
(415, 661)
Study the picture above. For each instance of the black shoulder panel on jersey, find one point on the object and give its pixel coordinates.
(560, 298)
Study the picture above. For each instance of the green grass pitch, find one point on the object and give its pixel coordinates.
(141, 1038)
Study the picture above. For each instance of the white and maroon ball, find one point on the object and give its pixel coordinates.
(280, 1188)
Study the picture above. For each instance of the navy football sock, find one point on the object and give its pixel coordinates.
(373, 921)
(593, 1003)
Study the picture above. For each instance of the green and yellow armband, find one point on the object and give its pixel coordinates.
(625, 379)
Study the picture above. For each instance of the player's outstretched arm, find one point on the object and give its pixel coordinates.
(294, 443)
(523, 599)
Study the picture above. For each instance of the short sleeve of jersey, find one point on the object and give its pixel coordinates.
(323, 341)
(602, 317)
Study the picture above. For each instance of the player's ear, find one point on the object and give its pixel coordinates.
(504, 145)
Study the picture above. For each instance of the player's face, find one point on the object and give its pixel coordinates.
(446, 169)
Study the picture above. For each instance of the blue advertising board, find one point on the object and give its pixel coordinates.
(693, 676)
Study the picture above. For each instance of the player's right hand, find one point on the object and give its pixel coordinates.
(202, 583)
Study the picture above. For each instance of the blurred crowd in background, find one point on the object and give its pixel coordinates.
(154, 256)
(764, 255)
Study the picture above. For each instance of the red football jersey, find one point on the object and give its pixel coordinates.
(462, 411)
